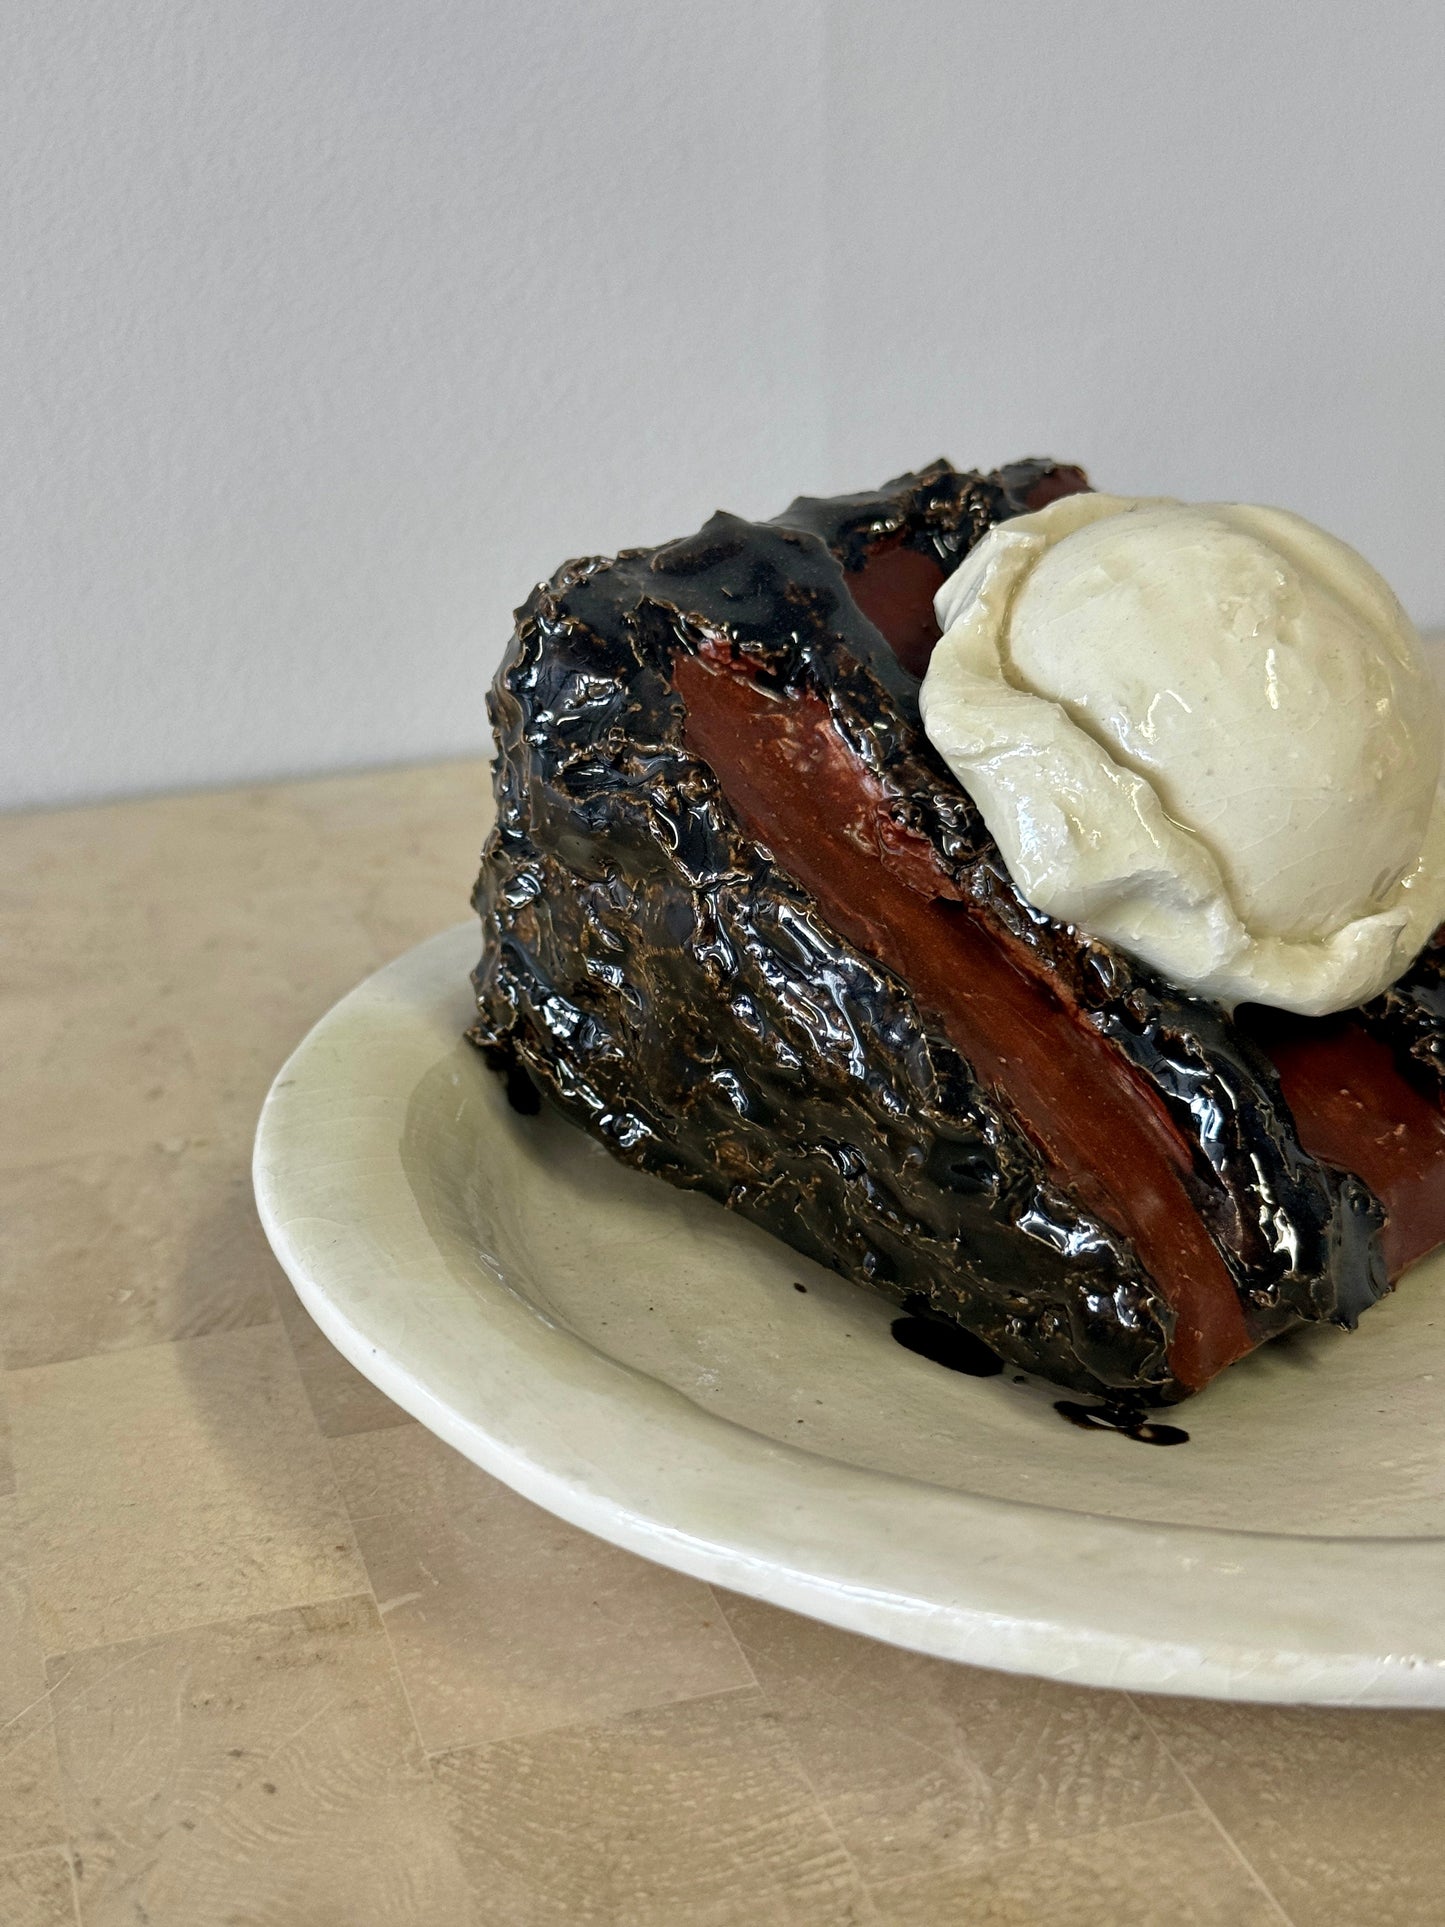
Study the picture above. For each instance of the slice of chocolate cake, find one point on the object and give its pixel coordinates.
(742, 924)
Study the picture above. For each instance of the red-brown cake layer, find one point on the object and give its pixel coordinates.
(895, 590)
(1353, 1107)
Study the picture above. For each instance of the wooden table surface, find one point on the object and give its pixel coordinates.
(272, 1656)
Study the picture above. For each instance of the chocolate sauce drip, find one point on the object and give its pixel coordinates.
(1125, 1416)
(949, 1345)
(522, 1093)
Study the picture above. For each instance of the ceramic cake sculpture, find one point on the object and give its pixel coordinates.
(745, 922)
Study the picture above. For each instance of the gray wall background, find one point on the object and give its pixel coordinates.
(327, 326)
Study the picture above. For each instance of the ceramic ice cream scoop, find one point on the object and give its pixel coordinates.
(1207, 734)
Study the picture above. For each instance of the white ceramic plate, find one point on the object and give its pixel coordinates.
(639, 1361)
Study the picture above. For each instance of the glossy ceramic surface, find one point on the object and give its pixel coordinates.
(641, 1363)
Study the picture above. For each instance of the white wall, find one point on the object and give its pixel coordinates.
(326, 326)
(1198, 245)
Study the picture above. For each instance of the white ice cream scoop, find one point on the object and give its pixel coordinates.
(1206, 734)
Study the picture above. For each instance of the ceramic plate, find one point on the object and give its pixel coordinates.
(645, 1365)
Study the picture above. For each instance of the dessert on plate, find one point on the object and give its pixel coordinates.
(1020, 899)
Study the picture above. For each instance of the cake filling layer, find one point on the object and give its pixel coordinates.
(1354, 1108)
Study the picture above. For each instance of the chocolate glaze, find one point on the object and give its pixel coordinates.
(947, 1344)
(1410, 1017)
(677, 986)
(522, 1093)
(1126, 1416)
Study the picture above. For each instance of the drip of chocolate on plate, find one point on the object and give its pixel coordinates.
(961, 1351)
(948, 1345)
(1126, 1416)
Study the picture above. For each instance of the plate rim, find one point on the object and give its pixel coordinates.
(1014, 1584)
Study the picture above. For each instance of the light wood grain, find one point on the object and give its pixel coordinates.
(958, 1763)
(269, 1654)
(258, 1769)
(31, 1810)
(502, 1625)
(37, 1890)
(99, 1254)
(694, 1814)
